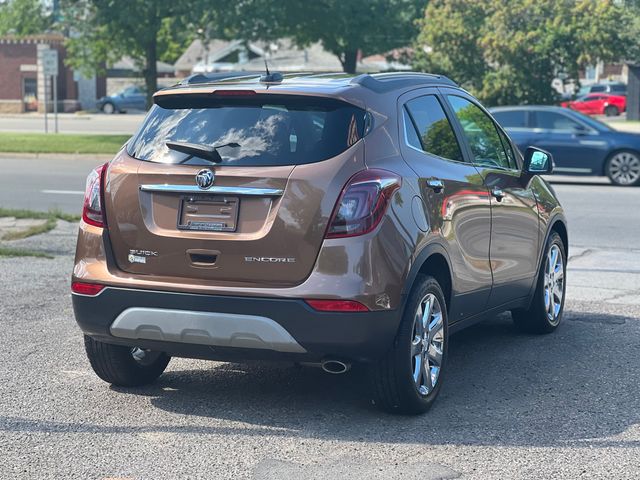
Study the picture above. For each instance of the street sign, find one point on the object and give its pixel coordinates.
(50, 62)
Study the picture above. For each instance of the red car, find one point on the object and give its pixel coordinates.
(599, 104)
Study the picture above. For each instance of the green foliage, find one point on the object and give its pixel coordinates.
(509, 52)
(23, 17)
(343, 26)
(60, 143)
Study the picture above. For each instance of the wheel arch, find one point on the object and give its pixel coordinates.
(433, 260)
(560, 227)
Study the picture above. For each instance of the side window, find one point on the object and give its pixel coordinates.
(434, 131)
(511, 118)
(554, 121)
(481, 134)
(410, 131)
(508, 149)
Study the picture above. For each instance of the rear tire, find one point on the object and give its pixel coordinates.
(545, 312)
(124, 366)
(400, 380)
(611, 111)
(623, 168)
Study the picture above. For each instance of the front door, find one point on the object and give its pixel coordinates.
(458, 207)
(514, 215)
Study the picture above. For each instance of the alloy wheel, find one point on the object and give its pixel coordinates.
(624, 168)
(553, 284)
(427, 345)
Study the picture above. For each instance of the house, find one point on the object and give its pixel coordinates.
(282, 55)
(23, 84)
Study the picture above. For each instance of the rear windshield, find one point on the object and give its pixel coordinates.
(269, 129)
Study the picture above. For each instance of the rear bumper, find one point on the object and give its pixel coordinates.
(231, 327)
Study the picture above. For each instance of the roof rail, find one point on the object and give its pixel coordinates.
(387, 82)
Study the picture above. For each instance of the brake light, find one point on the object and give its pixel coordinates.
(337, 305)
(234, 93)
(362, 203)
(82, 288)
(92, 212)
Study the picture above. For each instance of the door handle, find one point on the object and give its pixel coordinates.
(497, 193)
(435, 184)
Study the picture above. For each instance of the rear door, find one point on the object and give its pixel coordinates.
(259, 216)
(458, 202)
(514, 213)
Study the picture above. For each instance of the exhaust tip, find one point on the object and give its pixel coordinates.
(335, 367)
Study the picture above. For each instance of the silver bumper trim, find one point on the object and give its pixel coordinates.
(204, 328)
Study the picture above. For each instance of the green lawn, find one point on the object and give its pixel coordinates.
(60, 143)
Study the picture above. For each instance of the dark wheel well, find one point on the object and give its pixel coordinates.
(561, 229)
(437, 267)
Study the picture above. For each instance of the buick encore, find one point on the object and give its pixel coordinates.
(324, 219)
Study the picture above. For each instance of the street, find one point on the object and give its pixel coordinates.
(97, 123)
(512, 406)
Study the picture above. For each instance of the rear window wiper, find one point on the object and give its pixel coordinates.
(206, 152)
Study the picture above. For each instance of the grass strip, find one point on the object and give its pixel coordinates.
(52, 216)
(16, 142)
(19, 252)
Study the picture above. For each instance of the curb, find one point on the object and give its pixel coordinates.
(58, 156)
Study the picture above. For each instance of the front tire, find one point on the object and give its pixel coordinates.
(545, 312)
(124, 366)
(408, 379)
(109, 108)
(623, 168)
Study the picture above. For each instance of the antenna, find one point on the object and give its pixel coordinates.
(266, 65)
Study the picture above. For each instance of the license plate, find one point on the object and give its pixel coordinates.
(209, 213)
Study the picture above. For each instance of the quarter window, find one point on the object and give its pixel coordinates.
(431, 128)
(554, 121)
(481, 133)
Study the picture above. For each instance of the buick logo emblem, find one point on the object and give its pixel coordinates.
(204, 178)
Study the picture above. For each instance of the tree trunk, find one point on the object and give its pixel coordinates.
(349, 60)
(150, 71)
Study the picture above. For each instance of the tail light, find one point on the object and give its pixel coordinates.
(92, 210)
(362, 203)
(337, 305)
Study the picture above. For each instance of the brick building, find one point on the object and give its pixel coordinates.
(22, 83)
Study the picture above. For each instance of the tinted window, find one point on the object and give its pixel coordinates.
(435, 131)
(598, 88)
(511, 118)
(410, 131)
(618, 88)
(506, 144)
(553, 121)
(481, 134)
(270, 129)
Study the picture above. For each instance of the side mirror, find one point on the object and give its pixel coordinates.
(538, 162)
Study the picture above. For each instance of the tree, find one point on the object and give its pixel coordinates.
(23, 17)
(510, 52)
(103, 31)
(346, 28)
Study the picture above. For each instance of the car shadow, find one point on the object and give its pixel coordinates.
(578, 386)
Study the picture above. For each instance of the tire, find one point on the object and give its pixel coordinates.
(543, 316)
(394, 388)
(118, 366)
(611, 111)
(623, 168)
(109, 108)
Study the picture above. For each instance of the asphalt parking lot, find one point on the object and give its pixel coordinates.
(513, 406)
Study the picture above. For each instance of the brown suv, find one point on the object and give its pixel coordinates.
(315, 218)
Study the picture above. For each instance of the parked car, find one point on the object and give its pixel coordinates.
(580, 145)
(613, 88)
(599, 104)
(317, 218)
(131, 98)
